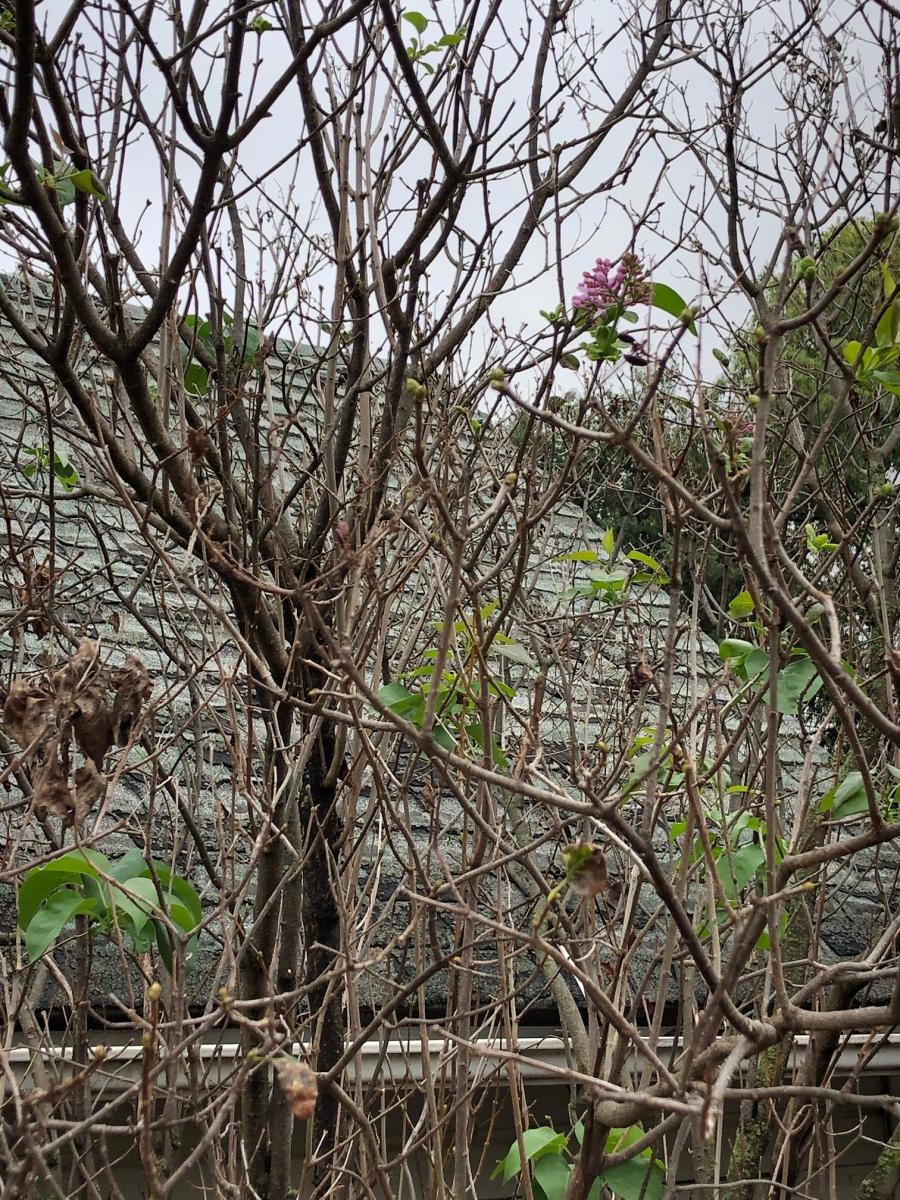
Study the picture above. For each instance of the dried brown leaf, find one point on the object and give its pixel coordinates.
(300, 1087)
(92, 724)
(29, 714)
(90, 786)
(132, 686)
(51, 791)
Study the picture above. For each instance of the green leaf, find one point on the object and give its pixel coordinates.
(185, 893)
(890, 380)
(418, 22)
(129, 865)
(738, 869)
(67, 869)
(86, 181)
(48, 922)
(551, 1174)
(640, 1176)
(637, 1178)
(847, 799)
(444, 738)
(887, 280)
(741, 606)
(756, 665)
(666, 298)
(799, 680)
(639, 556)
(476, 736)
(132, 866)
(735, 648)
(537, 1142)
(196, 379)
(251, 342)
(514, 652)
(452, 39)
(65, 189)
(589, 556)
(142, 900)
(396, 697)
(609, 543)
(886, 329)
(851, 352)
(570, 362)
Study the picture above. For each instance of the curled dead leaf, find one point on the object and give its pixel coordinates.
(51, 791)
(133, 686)
(83, 702)
(300, 1087)
(28, 714)
(92, 725)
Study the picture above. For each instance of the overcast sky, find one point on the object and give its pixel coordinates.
(603, 225)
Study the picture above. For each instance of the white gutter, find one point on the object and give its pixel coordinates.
(541, 1060)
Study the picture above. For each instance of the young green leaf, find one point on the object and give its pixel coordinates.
(86, 181)
(514, 652)
(551, 1174)
(50, 919)
(847, 799)
(741, 606)
(537, 1142)
(736, 870)
(797, 682)
(418, 22)
(638, 1179)
(666, 298)
(735, 648)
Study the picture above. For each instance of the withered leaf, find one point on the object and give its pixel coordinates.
(132, 684)
(82, 701)
(29, 713)
(92, 724)
(51, 791)
(90, 786)
(300, 1087)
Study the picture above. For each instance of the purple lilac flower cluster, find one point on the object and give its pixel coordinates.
(603, 287)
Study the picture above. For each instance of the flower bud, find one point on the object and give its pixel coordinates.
(154, 991)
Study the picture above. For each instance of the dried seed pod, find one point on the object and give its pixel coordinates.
(298, 1082)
